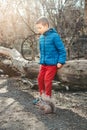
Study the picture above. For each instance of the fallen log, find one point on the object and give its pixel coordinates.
(73, 73)
(11, 62)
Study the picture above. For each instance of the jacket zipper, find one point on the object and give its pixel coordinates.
(44, 49)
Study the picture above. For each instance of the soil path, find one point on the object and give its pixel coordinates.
(18, 113)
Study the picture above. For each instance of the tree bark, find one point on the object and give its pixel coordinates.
(11, 62)
(85, 12)
(73, 73)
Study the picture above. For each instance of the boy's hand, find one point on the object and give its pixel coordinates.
(59, 65)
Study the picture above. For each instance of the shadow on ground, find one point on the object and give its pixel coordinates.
(18, 113)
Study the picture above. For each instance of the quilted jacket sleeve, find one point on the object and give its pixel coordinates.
(60, 48)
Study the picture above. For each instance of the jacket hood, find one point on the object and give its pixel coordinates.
(51, 30)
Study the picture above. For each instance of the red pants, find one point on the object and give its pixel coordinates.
(45, 77)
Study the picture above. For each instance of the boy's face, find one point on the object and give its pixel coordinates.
(41, 28)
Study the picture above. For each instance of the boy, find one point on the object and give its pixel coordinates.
(52, 57)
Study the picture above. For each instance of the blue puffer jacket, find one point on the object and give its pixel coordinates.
(52, 50)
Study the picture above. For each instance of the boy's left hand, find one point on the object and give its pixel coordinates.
(59, 65)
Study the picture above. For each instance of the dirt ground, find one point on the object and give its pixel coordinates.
(18, 113)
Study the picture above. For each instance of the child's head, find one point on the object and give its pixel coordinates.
(42, 25)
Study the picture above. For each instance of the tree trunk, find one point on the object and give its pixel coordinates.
(85, 16)
(73, 73)
(11, 62)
